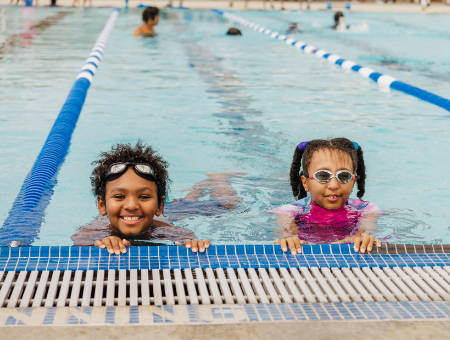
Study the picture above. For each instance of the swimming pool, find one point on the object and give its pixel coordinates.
(211, 103)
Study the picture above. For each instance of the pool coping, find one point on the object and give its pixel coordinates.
(222, 256)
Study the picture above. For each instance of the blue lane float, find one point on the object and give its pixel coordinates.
(381, 79)
(26, 215)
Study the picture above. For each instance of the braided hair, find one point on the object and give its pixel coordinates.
(339, 144)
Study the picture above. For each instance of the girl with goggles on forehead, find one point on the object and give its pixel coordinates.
(328, 170)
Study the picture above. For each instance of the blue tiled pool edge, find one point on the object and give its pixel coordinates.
(221, 256)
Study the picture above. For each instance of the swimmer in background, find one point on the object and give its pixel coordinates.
(234, 31)
(293, 29)
(340, 24)
(131, 185)
(328, 170)
(150, 16)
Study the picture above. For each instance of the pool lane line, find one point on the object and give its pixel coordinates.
(381, 79)
(19, 39)
(26, 215)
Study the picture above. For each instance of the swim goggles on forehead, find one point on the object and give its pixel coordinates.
(141, 169)
(324, 176)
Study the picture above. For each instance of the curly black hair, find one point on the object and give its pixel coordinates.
(340, 144)
(125, 152)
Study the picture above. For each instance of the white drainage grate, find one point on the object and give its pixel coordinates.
(222, 286)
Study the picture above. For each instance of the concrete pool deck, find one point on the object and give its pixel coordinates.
(403, 7)
(399, 330)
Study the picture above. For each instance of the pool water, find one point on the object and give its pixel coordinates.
(214, 103)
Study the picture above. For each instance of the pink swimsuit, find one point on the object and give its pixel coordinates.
(320, 225)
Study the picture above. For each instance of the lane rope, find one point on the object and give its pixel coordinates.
(381, 79)
(26, 215)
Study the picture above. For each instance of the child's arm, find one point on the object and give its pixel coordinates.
(88, 234)
(362, 240)
(137, 32)
(181, 236)
(368, 223)
(288, 232)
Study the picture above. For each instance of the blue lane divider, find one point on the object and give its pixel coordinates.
(25, 217)
(380, 79)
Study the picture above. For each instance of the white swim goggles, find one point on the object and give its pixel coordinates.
(324, 176)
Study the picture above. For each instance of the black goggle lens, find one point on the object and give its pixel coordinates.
(344, 177)
(322, 176)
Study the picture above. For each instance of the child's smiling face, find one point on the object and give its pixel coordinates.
(331, 195)
(131, 202)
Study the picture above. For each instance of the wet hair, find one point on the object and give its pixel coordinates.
(234, 31)
(139, 153)
(150, 13)
(302, 159)
(338, 15)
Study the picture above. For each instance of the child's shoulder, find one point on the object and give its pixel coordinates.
(363, 206)
(294, 208)
(138, 31)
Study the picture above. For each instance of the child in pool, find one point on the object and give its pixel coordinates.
(150, 16)
(330, 170)
(131, 184)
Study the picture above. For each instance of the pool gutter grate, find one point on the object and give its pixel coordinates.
(222, 286)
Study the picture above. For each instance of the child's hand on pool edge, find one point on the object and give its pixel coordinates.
(113, 244)
(294, 244)
(195, 245)
(361, 242)
(365, 242)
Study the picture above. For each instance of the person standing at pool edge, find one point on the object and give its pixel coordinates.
(150, 16)
(328, 170)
